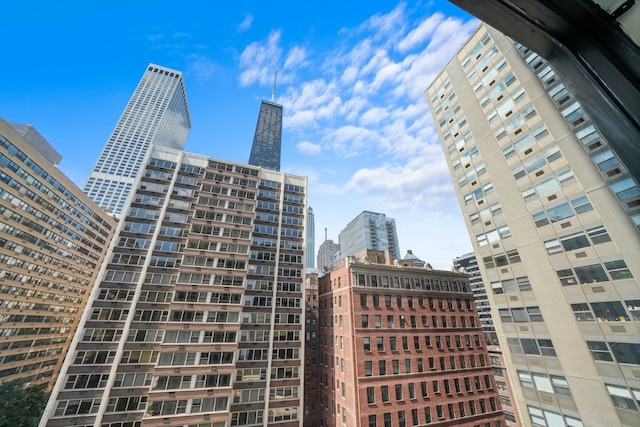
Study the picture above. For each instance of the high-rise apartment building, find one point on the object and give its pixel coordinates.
(158, 114)
(267, 140)
(554, 218)
(401, 345)
(197, 316)
(53, 239)
(311, 366)
(311, 239)
(369, 231)
(327, 253)
(470, 265)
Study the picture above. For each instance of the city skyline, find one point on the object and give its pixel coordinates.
(359, 126)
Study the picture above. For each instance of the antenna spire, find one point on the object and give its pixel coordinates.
(273, 91)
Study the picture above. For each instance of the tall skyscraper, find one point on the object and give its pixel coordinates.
(267, 140)
(158, 114)
(311, 239)
(554, 218)
(197, 318)
(372, 231)
(53, 239)
(327, 253)
(401, 345)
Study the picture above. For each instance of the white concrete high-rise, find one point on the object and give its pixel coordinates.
(554, 218)
(197, 318)
(157, 113)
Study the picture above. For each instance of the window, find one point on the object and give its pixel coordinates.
(622, 397)
(365, 321)
(380, 343)
(372, 421)
(591, 273)
(396, 366)
(599, 351)
(371, 395)
(377, 321)
(398, 388)
(618, 270)
(384, 390)
(368, 370)
(363, 300)
(611, 311)
(366, 341)
(387, 419)
(393, 344)
(401, 419)
(382, 366)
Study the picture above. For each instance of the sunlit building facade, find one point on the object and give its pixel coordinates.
(157, 113)
(554, 217)
(53, 239)
(369, 231)
(197, 317)
(401, 346)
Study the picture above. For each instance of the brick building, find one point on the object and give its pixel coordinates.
(415, 325)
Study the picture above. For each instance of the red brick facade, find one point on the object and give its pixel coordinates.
(402, 346)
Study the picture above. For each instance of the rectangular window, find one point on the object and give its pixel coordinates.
(371, 395)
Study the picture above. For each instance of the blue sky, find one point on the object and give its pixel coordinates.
(351, 78)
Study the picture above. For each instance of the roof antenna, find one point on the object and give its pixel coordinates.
(273, 91)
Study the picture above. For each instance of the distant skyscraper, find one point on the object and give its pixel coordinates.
(197, 319)
(311, 239)
(327, 255)
(53, 239)
(553, 214)
(470, 264)
(410, 256)
(157, 113)
(369, 230)
(267, 141)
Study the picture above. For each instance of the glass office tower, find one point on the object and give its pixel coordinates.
(157, 113)
(554, 217)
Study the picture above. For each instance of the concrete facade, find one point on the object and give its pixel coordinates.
(554, 216)
(53, 239)
(197, 317)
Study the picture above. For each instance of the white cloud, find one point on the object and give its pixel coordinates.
(260, 61)
(421, 33)
(201, 67)
(245, 24)
(307, 147)
(295, 58)
(373, 116)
